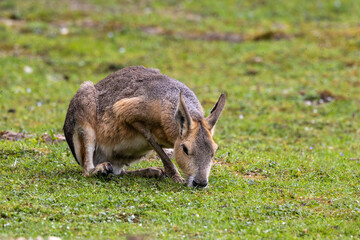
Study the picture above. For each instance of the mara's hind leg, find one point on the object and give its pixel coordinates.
(156, 172)
(84, 143)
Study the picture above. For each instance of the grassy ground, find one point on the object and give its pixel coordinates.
(288, 166)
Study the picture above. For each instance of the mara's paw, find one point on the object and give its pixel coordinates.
(102, 169)
(157, 172)
(177, 178)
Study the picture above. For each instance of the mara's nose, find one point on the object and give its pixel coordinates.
(200, 185)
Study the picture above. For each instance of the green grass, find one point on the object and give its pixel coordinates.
(288, 165)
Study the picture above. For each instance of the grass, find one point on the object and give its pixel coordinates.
(288, 166)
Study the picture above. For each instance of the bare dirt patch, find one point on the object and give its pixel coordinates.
(13, 136)
(217, 36)
(47, 138)
(10, 22)
(255, 174)
(56, 138)
(271, 35)
(321, 97)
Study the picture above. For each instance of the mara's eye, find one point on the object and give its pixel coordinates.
(185, 149)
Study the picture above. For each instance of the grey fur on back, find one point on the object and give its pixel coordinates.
(147, 83)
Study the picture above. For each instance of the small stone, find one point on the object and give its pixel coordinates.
(122, 50)
(258, 59)
(64, 31)
(53, 238)
(28, 69)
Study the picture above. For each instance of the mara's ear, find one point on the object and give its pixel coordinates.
(182, 117)
(216, 111)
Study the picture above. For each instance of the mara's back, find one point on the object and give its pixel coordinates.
(148, 84)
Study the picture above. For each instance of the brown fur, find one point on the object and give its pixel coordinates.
(119, 120)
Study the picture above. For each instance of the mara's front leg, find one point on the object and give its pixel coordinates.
(84, 143)
(170, 168)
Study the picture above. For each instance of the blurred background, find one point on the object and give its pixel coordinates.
(278, 61)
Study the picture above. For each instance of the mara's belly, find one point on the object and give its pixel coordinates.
(127, 150)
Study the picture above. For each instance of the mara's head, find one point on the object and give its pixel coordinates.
(195, 148)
